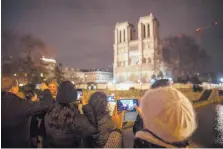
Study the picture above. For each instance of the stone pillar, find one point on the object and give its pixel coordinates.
(129, 33)
(126, 35)
(140, 49)
(152, 29)
(116, 36)
(139, 31)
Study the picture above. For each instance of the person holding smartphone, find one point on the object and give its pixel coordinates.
(16, 114)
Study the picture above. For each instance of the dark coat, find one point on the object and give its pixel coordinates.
(138, 125)
(16, 118)
(139, 143)
(104, 127)
(143, 141)
(69, 137)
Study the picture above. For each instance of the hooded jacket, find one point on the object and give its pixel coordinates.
(72, 134)
(16, 118)
(103, 126)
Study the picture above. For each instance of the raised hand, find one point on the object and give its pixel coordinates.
(43, 86)
(117, 118)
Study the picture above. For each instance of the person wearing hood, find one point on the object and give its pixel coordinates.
(102, 121)
(17, 113)
(65, 126)
(168, 119)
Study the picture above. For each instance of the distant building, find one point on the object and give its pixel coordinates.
(74, 75)
(49, 65)
(98, 76)
(137, 55)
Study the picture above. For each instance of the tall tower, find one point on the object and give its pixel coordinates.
(135, 58)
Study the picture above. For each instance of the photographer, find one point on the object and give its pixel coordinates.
(16, 113)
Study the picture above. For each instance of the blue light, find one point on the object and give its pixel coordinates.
(153, 80)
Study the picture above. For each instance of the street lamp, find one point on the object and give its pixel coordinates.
(15, 74)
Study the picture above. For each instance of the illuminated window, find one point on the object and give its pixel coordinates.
(148, 27)
(143, 31)
(120, 36)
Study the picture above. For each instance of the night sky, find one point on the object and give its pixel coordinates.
(81, 31)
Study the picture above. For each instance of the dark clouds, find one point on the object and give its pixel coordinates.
(82, 31)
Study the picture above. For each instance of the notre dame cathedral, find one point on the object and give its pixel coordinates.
(137, 54)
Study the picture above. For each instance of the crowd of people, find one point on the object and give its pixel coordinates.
(52, 117)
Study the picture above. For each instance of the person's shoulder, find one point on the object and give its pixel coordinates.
(8, 96)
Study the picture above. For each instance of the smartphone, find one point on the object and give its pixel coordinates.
(79, 93)
(38, 86)
(111, 98)
(128, 105)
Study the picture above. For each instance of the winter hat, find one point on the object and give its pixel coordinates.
(66, 93)
(168, 114)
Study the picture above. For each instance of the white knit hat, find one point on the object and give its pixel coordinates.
(168, 114)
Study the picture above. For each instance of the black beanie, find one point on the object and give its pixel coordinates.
(66, 93)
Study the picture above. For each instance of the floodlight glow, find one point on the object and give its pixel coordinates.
(221, 79)
(114, 81)
(48, 60)
(170, 79)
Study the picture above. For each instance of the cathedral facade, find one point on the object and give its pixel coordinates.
(137, 54)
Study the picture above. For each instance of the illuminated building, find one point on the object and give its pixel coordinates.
(137, 55)
(74, 75)
(49, 65)
(98, 76)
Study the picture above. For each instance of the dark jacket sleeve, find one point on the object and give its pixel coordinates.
(89, 113)
(138, 125)
(86, 128)
(35, 108)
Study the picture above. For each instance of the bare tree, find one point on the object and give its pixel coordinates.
(184, 56)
